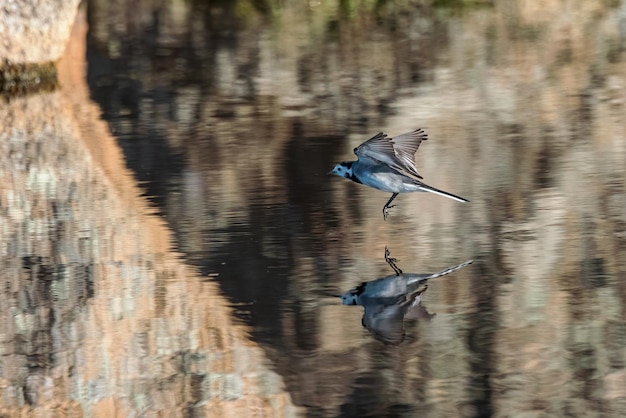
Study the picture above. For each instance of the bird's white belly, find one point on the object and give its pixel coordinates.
(391, 183)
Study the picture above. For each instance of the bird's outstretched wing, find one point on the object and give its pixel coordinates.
(397, 152)
(384, 318)
(385, 323)
(406, 146)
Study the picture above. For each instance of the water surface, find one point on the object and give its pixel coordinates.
(229, 116)
(233, 119)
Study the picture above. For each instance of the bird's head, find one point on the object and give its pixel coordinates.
(349, 298)
(343, 169)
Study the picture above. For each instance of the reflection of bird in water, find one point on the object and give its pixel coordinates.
(390, 300)
(388, 164)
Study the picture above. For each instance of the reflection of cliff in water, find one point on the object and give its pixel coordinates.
(98, 316)
(524, 108)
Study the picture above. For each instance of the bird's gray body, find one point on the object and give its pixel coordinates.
(382, 177)
(384, 290)
(389, 288)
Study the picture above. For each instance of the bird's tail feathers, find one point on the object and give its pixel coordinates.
(419, 278)
(432, 189)
(450, 269)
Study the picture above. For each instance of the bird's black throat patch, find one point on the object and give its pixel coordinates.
(359, 289)
(354, 178)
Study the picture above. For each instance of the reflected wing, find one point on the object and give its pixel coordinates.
(397, 153)
(418, 311)
(385, 323)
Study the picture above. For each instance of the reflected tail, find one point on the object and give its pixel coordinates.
(450, 269)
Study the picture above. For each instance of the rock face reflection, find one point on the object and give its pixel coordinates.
(98, 316)
(390, 300)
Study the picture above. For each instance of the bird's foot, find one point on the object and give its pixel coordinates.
(386, 211)
(387, 256)
(392, 262)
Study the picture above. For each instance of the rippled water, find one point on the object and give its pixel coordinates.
(230, 116)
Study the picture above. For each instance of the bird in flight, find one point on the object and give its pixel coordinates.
(388, 164)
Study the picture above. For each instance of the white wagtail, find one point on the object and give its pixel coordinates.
(388, 301)
(388, 164)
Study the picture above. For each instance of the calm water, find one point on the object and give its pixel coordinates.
(230, 116)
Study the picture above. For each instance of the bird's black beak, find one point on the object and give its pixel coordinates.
(328, 294)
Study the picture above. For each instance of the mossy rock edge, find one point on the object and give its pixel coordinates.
(20, 79)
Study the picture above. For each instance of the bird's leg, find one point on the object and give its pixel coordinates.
(392, 262)
(388, 206)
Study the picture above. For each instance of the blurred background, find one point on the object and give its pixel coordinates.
(228, 116)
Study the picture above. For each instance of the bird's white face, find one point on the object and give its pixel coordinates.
(348, 299)
(342, 170)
